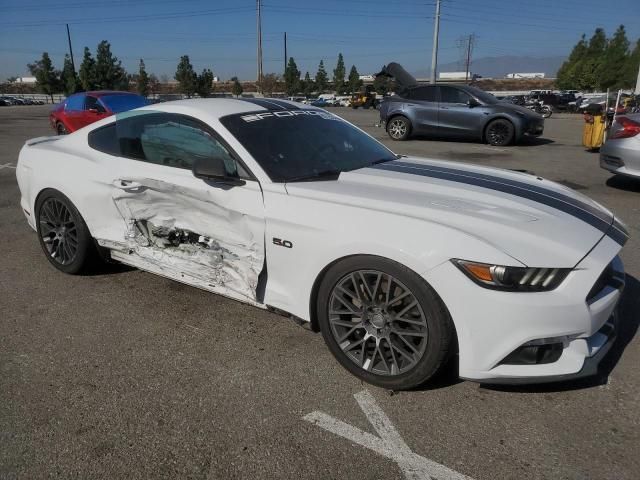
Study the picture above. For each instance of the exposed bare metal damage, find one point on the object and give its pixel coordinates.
(183, 232)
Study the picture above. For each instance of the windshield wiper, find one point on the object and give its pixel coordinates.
(324, 175)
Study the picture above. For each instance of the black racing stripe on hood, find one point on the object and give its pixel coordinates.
(605, 217)
(271, 104)
(573, 207)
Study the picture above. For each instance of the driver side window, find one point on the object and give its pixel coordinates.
(170, 140)
(453, 95)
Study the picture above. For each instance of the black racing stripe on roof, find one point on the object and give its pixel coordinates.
(575, 208)
(270, 104)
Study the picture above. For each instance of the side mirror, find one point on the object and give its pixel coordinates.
(94, 110)
(472, 102)
(213, 169)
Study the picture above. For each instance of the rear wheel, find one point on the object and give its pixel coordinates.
(383, 322)
(61, 129)
(64, 236)
(500, 132)
(399, 128)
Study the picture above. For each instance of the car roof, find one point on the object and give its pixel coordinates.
(220, 107)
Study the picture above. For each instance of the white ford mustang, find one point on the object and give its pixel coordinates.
(400, 262)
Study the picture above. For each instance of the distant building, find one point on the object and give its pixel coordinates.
(455, 75)
(524, 75)
(366, 78)
(27, 80)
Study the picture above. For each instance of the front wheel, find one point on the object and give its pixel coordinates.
(500, 132)
(546, 111)
(61, 129)
(383, 322)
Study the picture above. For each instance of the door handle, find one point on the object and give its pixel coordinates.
(126, 184)
(444, 108)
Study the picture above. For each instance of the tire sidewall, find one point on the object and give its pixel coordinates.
(84, 237)
(439, 326)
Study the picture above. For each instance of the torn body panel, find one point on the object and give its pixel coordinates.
(183, 233)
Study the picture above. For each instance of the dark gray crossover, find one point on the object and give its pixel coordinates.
(459, 111)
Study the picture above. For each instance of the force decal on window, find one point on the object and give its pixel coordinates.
(254, 117)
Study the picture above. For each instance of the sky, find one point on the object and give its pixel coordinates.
(221, 34)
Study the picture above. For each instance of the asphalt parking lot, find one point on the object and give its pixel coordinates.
(123, 374)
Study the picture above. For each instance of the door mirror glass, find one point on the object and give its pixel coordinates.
(214, 168)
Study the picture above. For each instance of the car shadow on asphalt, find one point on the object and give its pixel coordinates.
(621, 182)
(102, 268)
(628, 323)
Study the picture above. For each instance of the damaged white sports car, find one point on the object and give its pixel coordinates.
(400, 262)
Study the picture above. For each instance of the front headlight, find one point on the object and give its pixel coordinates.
(517, 279)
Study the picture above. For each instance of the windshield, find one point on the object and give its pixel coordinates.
(298, 145)
(122, 103)
(483, 96)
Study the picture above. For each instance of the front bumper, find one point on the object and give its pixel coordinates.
(535, 129)
(492, 325)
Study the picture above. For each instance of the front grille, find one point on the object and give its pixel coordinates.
(608, 278)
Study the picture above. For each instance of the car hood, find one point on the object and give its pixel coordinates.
(510, 107)
(535, 221)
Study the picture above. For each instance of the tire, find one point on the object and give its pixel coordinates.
(63, 233)
(399, 128)
(61, 129)
(362, 330)
(546, 111)
(500, 132)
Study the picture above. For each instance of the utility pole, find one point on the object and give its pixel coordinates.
(285, 52)
(259, 26)
(637, 91)
(434, 53)
(470, 44)
(73, 64)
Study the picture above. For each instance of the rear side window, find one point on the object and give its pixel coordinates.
(105, 139)
(92, 103)
(453, 95)
(427, 94)
(75, 102)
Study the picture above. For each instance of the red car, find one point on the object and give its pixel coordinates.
(81, 109)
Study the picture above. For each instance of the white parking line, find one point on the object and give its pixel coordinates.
(7, 165)
(389, 443)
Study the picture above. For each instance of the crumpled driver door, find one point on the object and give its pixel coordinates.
(194, 231)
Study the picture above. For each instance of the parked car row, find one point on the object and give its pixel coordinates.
(7, 100)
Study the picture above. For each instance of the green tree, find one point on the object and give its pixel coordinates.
(321, 78)
(186, 76)
(382, 84)
(338, 75)
(143, 80)
(291, 77)
(566, 78)
(69, 78)
(308, 85)
(236, 89)
(154, 84)
(587, 70)
(205, 83)
(354, 81)
(109, 72)
(88, 71)
(614, 60)
(629, 73)
(269, 84)
(47, 78)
